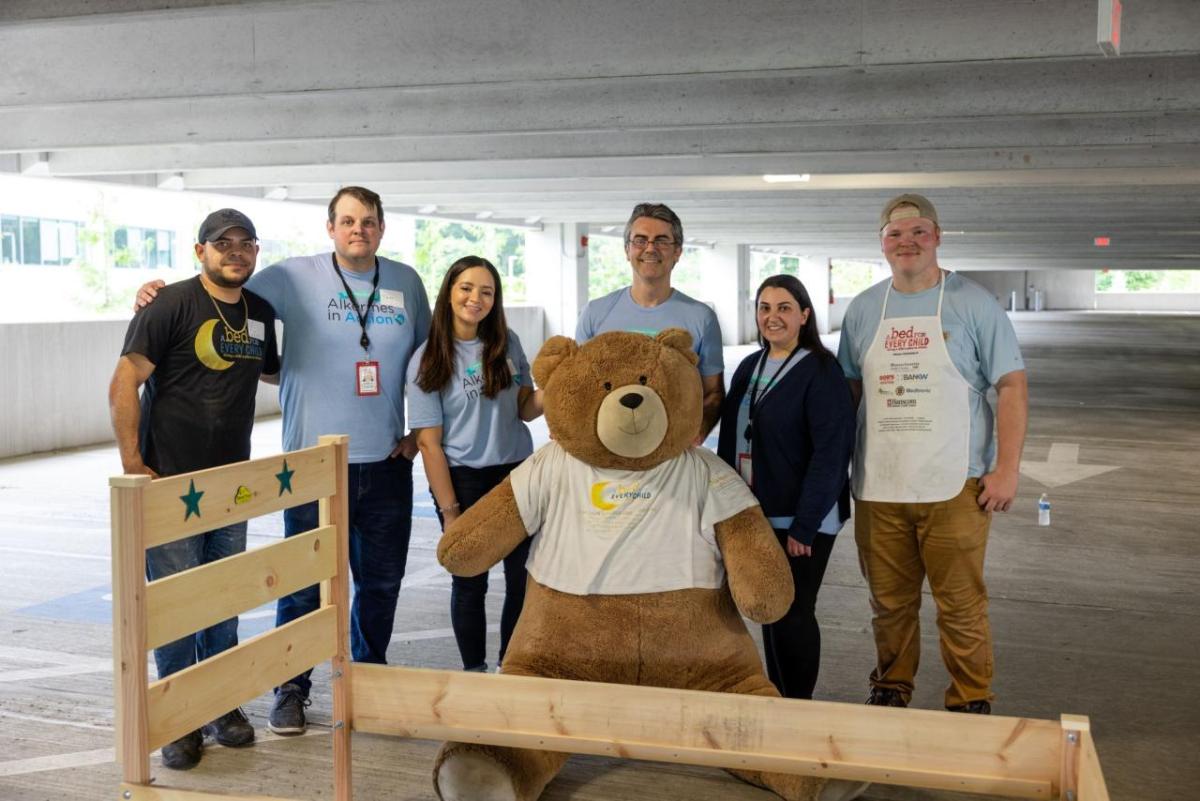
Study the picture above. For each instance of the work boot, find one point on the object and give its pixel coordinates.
(979, 707)
(231, 730)
(885, 696)
(287, 713)
(184, 753)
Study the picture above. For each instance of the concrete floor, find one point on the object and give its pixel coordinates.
(1093, 615)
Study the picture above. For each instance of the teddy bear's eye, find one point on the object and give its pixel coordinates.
(642, 380)
(608, 386)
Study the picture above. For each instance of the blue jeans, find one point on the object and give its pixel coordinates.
(184, 554)
(380, 509)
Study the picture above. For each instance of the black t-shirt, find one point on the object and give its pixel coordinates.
(198, 404)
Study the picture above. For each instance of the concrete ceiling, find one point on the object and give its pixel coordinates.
(1004, 112)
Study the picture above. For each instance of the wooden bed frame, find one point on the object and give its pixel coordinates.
(1002, 756)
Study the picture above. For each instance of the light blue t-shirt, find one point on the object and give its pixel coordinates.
(477, 431)
(979, 337)
(617, 311)
(767, 380)
(318, 385)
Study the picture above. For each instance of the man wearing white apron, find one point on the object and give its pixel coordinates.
(921, 350)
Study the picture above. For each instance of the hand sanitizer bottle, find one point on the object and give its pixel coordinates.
(1043, 510)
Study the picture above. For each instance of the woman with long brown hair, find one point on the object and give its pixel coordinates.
(469, 393)
(787, 425)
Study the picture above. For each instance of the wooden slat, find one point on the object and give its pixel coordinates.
(1091, 778)
(190, 698)
(236, 584)
(159, 793)
(969, 753)
(224, 502)
(127, 495)
(336, 592)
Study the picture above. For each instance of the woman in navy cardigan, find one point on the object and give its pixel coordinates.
(787, 426)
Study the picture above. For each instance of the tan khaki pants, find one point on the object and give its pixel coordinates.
(899, 545)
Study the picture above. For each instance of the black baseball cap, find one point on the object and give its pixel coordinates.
(221, 221)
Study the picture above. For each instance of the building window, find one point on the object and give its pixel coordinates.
(143, 248)
(36, 241)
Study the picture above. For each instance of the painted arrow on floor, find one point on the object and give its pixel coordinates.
(1062, 466)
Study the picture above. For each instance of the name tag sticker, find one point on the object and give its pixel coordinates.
(256, 329)
(391, 297)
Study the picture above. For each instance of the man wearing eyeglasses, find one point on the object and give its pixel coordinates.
(199, 351)
(351, 322)
(653, 245)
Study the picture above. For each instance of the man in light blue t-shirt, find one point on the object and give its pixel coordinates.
(920, 350)
(351, 323)
(653, 244)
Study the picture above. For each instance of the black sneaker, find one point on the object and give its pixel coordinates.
(231, 730)
(184, 753)
(885, 696)
(287, 713)
(980, 707)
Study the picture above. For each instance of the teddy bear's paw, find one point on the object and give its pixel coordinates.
(841, 790)
(472, 776)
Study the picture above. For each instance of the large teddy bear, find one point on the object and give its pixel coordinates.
(645, 550)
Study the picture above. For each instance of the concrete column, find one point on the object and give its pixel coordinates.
(814, 274)
(726, 269)
(556, 274)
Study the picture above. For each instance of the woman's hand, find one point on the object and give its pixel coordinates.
(797, 548)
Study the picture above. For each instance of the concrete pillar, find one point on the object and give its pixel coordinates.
(814, 274)
(726, 269)
(556, 274)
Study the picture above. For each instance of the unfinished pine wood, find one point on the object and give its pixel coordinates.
(127, 497)
(1068, 770)
(236, 584)
(190, 698)
(1091, 778)
(159, 793)
(336, 591)
(224, 502)
(970, 753)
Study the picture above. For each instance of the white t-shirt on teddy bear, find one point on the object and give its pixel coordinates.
(612, 532)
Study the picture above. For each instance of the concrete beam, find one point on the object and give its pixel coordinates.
(999, 90)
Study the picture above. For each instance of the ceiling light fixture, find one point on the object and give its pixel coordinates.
(787, 178)
(485, 215)
(428, 208)
(276, 193)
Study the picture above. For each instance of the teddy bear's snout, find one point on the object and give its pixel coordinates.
(631, 400)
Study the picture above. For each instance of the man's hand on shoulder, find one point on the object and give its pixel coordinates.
(999, 490)
(147, 292)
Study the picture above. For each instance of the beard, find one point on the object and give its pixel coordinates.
(217, 276)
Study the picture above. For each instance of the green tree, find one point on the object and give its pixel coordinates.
(440, 243)
(1104, 281)
(1142, 280)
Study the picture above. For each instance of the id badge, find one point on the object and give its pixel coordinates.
(746, 469)
(368, 378)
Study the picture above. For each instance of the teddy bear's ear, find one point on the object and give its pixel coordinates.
(556, 351)
(680, 340)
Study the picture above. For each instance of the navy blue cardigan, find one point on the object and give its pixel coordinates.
(803, 439)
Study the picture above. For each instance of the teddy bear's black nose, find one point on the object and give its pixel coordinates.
(631, 400)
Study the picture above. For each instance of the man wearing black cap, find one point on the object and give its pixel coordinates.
(199, 351)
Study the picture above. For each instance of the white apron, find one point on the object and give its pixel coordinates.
(914, 422)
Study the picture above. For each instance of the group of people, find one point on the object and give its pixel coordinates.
(918, 353)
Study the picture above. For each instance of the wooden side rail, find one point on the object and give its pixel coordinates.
(993, 755)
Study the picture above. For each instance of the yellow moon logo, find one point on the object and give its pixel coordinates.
(598, 497)
(205, 351)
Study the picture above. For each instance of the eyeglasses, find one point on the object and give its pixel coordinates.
(226, 245)
(659, 242)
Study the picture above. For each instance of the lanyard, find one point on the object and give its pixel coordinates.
(754, 379)
(365, 340)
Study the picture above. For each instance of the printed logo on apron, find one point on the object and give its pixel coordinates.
(914, 427)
